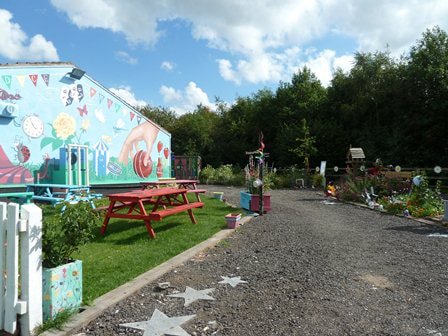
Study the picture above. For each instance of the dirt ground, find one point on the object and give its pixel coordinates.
(313, 267)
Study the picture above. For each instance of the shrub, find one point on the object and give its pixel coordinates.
(206, 175)
(223, 174)
(317, 180)
(64, 234)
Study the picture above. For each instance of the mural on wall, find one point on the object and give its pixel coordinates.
(43, 111)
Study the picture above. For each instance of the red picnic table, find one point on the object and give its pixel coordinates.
(190, 185)
(163, 202)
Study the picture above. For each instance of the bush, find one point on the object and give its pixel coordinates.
(63, 234)
(286, 178)
(225, 174)
(206, 175)
(317, 180)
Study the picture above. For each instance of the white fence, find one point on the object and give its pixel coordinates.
(20, 302)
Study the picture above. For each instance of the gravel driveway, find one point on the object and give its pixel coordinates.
(311, 268)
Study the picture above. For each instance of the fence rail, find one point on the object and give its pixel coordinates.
(20, 234)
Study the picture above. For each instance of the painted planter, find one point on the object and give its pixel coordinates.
(61, 289)
(218, 195)
(232, 220)
(251, 202)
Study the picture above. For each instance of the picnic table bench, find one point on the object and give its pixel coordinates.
(162, 203)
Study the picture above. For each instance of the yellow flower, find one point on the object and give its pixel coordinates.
(64, 125)
(55, 277)
(85, 124)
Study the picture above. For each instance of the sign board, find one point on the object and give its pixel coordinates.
(323, 165)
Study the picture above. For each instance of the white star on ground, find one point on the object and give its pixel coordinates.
(159, 324)
(190, 295)
(232, 281)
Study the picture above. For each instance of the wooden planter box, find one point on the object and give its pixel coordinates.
(61, 289)
(251, 202)
(232, 220)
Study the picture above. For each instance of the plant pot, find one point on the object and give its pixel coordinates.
(232, 220)
(218, 195)
(61, 288)
(251, 202)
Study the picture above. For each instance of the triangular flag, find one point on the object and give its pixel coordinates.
(132, 114)
(34, 79)
(139, 119)
(46, 78)
(92, 92)
(109, 103)
(21, 79)
(117, 107)
(7, 80)
(101, 98)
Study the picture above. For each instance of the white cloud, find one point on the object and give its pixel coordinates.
(325, 63)
(170, 95)
(128, 96)
(125, 57)
(136, 19)
(16, 45)
(167, 66)
(258, 36)
(187, 100)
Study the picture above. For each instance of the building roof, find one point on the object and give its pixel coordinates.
(356, 153)
(22, 64)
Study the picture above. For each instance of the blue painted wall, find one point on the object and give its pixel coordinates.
(43, 110)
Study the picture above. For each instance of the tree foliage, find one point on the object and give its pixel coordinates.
(394, 109)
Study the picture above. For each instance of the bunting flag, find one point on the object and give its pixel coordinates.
(92, 92)
(83, 110)
(132, 115)
(34, 79)
(101, 98)
(46, 78)
(7, 80)
(117, 107)
(109, 103)
(21, 80)
(139, 119)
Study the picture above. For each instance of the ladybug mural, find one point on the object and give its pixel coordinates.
(22, 152)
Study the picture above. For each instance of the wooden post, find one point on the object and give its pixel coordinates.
(31, 268)
(2, 262)
(12, 268)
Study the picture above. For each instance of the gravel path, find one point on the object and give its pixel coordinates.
(311, 269)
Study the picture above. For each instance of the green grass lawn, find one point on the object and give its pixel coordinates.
(126, 250)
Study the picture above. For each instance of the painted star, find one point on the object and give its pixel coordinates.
(160, 325)
(190, 295)
(232, 281)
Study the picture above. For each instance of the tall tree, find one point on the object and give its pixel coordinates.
(305, 145)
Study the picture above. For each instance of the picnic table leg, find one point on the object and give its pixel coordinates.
(198, 197)
(107, 218)
(193, 220)
(190, 211)
(150, 229)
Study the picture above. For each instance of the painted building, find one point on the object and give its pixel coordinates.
(59, 125)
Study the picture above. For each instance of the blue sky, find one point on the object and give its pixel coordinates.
(179, 53)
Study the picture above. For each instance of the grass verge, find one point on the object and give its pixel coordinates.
(126, 250)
